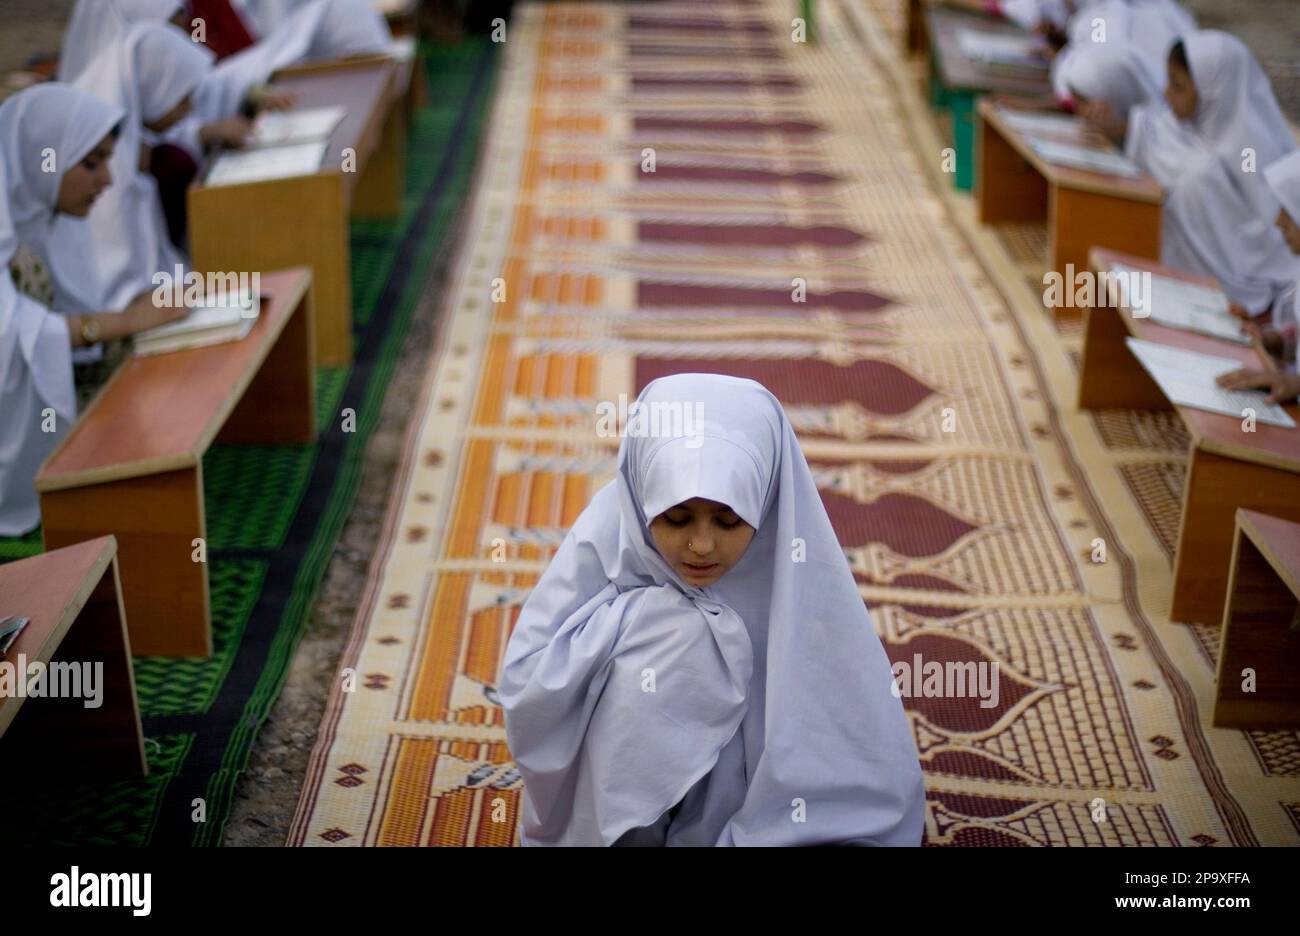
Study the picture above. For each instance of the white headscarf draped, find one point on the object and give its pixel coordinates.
(44, 123)
(1283, 177)
(1236, 106)
(147, 73)
(1112, 72)
(771, 685)
(1151, 27)
(290, 31)
(96, 24)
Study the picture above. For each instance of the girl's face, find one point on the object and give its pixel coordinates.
(86, 181)
(1290, 230)
(701, 539)
(1181, 92)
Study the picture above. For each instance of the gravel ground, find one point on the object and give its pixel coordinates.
(268, 792)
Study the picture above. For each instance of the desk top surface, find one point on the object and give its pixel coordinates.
(50, 590)
(1144, 188)
(957, 70)
(160, 413)
(1275, 446)
(1278, 541)
(364, 87)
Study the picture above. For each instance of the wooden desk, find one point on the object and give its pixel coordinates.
(303, 220)
(957, 83)
(132, 466)
(1227, 467)
(74, 604)
(1082, 209)
(1261, 626)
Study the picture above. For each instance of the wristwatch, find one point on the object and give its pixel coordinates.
(89, 330)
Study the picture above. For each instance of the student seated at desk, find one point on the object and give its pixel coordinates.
(99, 24)
(75, 133)
(1279, 338)
(1151, 27)
(151, 74)
(1108, 78)
(1222, 124)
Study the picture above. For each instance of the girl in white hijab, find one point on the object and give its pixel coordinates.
(151, 74)
(55, 144)
(1222, 124)
(696, 666)
(1110, 74)
(1283, 178)
(1151, 27)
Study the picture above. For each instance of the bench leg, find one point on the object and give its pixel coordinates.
(1110, 377)
(155, 518)
(1258, 634)
(1216, 486)
(962, 107)
(62, 738)
(1080, 221)
(379, 190)
(279, 406)
(1007, 187)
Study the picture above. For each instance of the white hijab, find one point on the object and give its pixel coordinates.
(772, 687)
(44, 123)
(96, 24)
(152, 69)
(1112, 72)
(1236, 106)
(288, 32)
(1283, 178)
(1151, 27)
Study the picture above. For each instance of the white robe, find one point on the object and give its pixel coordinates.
(1283, 178)
(771, 684)
(1218, 217)
(147, 73)
(96, 24)
(35, 359)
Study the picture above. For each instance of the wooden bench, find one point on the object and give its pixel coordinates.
(1082, 209)
(1261, 626)
(957, 83)
(132, 465)
(1227, 467)
(303, 220)
(73, 601)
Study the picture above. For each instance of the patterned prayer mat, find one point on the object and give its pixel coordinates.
(274, 514)
(932, 397)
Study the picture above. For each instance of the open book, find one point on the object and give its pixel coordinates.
(10, 628)
(1187, 306)
(1187, 379)
(227, 318)
(300, 125)
(269, 162)
(998, 49)
(1105, 161)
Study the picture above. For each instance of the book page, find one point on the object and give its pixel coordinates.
(300, 125)
(1187, 379)
(272, 162)
(1189, 306)
(1107, 162)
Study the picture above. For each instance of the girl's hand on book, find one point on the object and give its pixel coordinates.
(143, 313)
(1279, 386)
